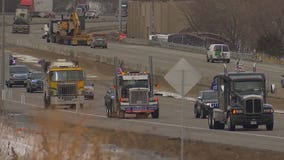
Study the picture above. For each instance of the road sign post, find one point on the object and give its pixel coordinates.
(182, 77)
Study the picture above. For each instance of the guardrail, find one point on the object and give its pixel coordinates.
(202, 50)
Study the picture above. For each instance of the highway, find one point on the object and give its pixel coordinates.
(169, 122)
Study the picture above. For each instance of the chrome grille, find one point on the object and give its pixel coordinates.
(67, 89)
(138, 96)
(253, 106)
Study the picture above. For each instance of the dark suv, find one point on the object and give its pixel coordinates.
(99, 42)
(34, 82)
(207, 100)
(18, 75)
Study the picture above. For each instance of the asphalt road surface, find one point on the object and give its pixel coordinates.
(169, 123)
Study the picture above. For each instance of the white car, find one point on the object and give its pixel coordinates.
(91, 14)
(89, 89)
(218, 52)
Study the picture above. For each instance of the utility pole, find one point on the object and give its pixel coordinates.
(153, 18)
(119, 16)
(3, 54)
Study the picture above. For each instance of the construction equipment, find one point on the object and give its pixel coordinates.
(68, 31)
(63, 84)
(132, 93)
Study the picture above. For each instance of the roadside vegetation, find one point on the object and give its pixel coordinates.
(250, 25)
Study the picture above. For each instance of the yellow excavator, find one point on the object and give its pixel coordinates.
(68, 32)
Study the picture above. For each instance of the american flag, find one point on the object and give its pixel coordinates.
(119, 70)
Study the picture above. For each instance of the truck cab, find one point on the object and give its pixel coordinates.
(64, 84)
(22, 20)
(132, 93)
(242, 101)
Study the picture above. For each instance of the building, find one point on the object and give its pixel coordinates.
(154, 16)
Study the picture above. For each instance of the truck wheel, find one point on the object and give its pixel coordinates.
(269, 127)
(155, 114)
(213, 124)
(108, 112)
(9, 85)
(210, 121)
(73, 106)
(122, 114)
(230, 125)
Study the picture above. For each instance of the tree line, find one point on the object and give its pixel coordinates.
(248, 24)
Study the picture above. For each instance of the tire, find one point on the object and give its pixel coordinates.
(212, 124)
(122, 114)
(109, 112)
(73, 106)
(228, 60)
(202, 113)
(210, 120)
(155, 114)
(207, 59)
(9, 85)
(196, 114)
(231, 126)
(269, 127)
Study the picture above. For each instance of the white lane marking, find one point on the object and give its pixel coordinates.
(159, 123)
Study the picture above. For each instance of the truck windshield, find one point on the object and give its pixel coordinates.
(69, 75)
(252, 87)
(135, 83)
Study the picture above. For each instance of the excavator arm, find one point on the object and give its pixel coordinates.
(74, 18)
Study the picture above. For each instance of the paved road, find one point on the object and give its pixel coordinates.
(169, 122)
(93, 115)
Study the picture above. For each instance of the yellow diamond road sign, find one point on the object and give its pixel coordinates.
(182, 77)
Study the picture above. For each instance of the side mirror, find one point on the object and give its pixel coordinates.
(272, 88)
(222, 88)
(199, 98)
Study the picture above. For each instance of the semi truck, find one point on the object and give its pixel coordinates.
(242, 101)
(132, 93)
(38, 8)
(22, 20)
(63, 84)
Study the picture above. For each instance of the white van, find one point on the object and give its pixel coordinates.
(218, 52)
